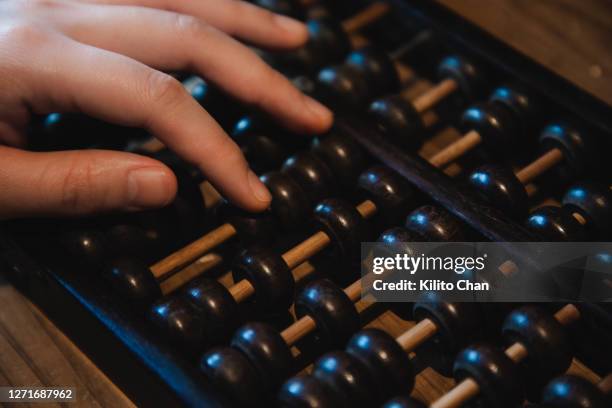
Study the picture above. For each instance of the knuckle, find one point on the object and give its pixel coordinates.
(24, 33)
(77, 186)
(163, 89)
(187, 25)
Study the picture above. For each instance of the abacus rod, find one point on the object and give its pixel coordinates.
(298, 254)
(540, 165)
(457, 149)
(370, 14)
(469, 388)
(416, 335)
(605, 385)
(434, 95)
(194, 270)
(192, 251)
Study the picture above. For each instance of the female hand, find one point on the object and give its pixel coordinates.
(105, 58)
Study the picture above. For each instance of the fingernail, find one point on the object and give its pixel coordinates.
(258, 188)
(290, 24)
(148, 187)
(317, 109)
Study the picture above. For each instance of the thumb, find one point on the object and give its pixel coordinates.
(80, 182)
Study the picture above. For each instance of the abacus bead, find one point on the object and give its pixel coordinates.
(344, 225)
(397, 119)
(554, 223)
(230, 371)
(434, 224)
(286, 7)
(377, 69)
(270, 276)
(573, 144)
(179, 322)
(133, 280)
(467, 76)
(87, 246)
(547, 343)
(392, 195)
(499, 186)
(457, 322)
(250, 227)
(496, 374)
(306, 391)
(519, 102)
(343, 156)
(496, 125)
(135, 242)
(290, 203)
(334, 313)
(388, 364)
(594, 202)
(404, 402)
(267, 352)
(347, 376)
(572, 392)
(216, 306)
(343, 88)
(311, 173)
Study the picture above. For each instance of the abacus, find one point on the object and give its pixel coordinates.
(442, 134)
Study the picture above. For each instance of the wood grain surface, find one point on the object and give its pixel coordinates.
(34, 353)
(571, 37)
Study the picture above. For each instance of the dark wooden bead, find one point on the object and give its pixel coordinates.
(347, 376)
(290, 204)
(267, 352)
(391, 193)
(332, 310)
(497, 126)
(404, 402)
(470, 80)
(554, 223)
(522, 104)
(577, 154)
(307, 391)
(87, 246)
(344, 225)
(377, 69)
(312, 174)
(496, 374)
(388, 364)
(136, 242)
(214, 101)
(547, 343)
(342, 155)
(569, 391)
(132, 280)
(397, 119)
(179, 322)
(263, 151)
(287, 7)
(434, 224)
(499, 187)
(231, 372)
(251, 227)
(216, 307)
(458, 322)
(343, 88)
(594, 202)
(327, 44)
(269, 274)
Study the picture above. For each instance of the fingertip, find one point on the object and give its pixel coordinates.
(150, 187)
(296, 32)
(322, 117)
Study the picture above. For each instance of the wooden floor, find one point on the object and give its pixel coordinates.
(572, 37)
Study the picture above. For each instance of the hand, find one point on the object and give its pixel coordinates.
(105, 58)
